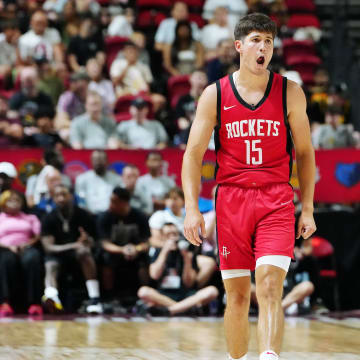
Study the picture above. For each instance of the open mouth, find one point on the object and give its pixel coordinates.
(260, 60)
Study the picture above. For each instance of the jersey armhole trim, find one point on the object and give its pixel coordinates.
(284, 100)
(218, 103)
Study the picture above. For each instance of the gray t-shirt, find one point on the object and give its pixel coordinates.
(143, 136)
(328, 137)
(91, 134)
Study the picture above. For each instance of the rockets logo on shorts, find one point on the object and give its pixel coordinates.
(225, 253)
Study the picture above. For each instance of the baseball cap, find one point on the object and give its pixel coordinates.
(139, 102)
(8, 169)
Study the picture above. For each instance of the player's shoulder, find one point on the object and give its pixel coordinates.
(294, 89)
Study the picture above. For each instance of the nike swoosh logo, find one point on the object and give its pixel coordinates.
(269, 353)
(284, 203)
(228, 107)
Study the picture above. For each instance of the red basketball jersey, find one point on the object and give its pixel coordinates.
(253, 142)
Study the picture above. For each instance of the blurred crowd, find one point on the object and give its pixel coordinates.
(123, 74)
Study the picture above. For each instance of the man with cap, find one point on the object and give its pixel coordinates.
(139, 132)
(7, 175)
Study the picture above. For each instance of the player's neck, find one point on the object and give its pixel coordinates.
(247, 79)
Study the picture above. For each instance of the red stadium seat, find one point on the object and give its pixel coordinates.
(153, 3)
(305, 65)
(293, 48)
(197, 18)
(177, 86)
(303, 20)
(113, 45)
(122, 107)
(300, 6)
(150, 19)
(194, 3)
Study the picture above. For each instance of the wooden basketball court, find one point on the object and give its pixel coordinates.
(163, 338)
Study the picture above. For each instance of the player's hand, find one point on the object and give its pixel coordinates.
(306, 225)
(193, 221)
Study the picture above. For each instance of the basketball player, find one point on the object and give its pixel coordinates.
(254, 111)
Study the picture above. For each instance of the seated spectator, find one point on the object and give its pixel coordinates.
(100, 85)
(11, 131)
(139, 132)
(93, 130)
(130, 175)
(67, 236)
(29, 99)
(94, 187)
(40, 41)
(173, 267)
(186, 107)
(139, 39)
(124, 233)
(122, 24)
(217, 29)
(334, 133)
(84, 7)
(185, 54)
(165, 34)
(224, 63)
(71, 103)
(8, 174)
(45, 135)
(129, 74)
(8, 46)
(88, 44)
(155, 184)
(36, 184)
(20, 258)
(236, 9)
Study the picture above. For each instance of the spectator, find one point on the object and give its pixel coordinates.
(130, 175)
(155, 184)
(186, 107)
(84, 7)
(93, 130)
(68, 238)
(236, 9)
(11, 131)
(224, 63)
(94, 187)
(217, 29)
(8, 45)
(173, 267)
(209, 246)
(185, 54)
(139, 132)
(8, 174)
(86, 45)
(71, 103)
(122, 24)
(334, 133)
(165, 34)
(139, 39)
(24, 103)
(45, 136)
(36, 185)
(124, 233)
(68, 20)
(100, 85)
(40, 41)
(20, 258)
(129, 74)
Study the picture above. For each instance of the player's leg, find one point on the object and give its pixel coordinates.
(298, 294)
(269, 289)
(236, 320)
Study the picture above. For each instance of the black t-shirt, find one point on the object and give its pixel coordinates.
(185, 107)
(84, 48)
(131, 229)
(43, 140)
(53, 225)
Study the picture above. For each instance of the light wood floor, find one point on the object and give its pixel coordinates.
(176, 339)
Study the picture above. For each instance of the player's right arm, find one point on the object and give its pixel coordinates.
(200, 134)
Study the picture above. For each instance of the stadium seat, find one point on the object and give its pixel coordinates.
(153, 4)
(322, 249)
(177, 86)
(113, 45)
(150, 19)
(300, 6)
(122, 107)
(293, 48)
(303, 20)
(194, 3)
(197, 18)
(305, 65)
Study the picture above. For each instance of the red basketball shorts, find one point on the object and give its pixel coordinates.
(254, 222)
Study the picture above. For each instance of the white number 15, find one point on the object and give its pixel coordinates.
(252, 150)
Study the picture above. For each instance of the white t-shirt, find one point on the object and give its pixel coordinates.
(31, 44)
(211, 35)
(161, 217)
(119, 26)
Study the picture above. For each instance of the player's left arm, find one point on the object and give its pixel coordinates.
(305, 156)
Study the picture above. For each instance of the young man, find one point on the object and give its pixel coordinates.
(253, 111)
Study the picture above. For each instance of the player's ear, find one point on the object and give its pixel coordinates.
(239, 45)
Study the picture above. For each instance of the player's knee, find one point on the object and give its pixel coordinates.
(269, 289)
(144, 292)
(236, 299)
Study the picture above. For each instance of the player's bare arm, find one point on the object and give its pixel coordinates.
(305, 157)
(201, 130)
